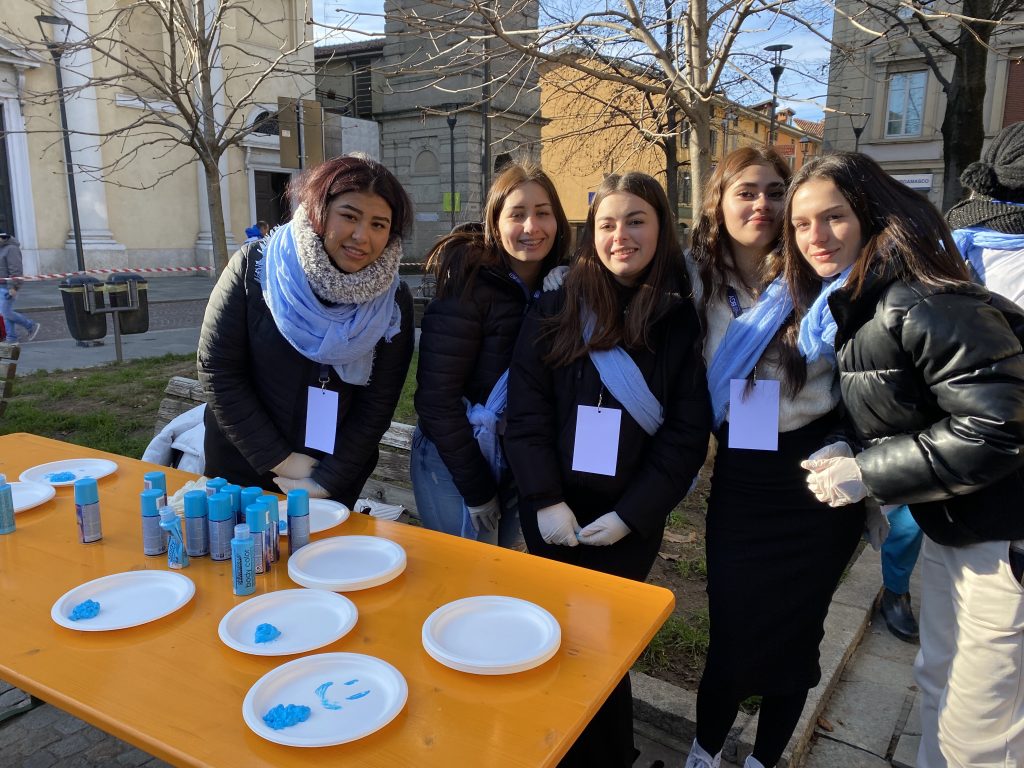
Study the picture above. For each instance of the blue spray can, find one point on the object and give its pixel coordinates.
(197, 529)
(154, 538)
(256, 519)
(222, 525)
(235, 494)
(177, 556)
(243, 561)
(273, 527)
(87, 510)
(156, 479)
(249, 496)
(6, 506)
(298, 520)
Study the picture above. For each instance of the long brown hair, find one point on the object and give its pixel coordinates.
(457, 257)
(589, 284)
(710, 240)
(904, 235)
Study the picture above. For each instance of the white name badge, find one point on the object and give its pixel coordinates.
(596, 449)
(321, 419)
(754, 415)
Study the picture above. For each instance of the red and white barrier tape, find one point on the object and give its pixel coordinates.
(130, 270)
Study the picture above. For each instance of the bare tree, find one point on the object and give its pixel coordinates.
(192, 71)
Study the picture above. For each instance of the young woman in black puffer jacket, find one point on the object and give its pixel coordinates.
(932, 375)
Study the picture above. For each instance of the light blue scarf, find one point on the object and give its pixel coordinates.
(344, 335)
(744, 342)
(972, 240)
(818, 328)
(484, 420)
(620, 374)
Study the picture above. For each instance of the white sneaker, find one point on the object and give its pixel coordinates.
(34, 332)
(752, 762)
(699, 758)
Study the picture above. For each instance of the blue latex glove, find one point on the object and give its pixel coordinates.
(607, 529)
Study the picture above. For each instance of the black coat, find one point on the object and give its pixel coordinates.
(256, 385)
(933, 382)
(466, 343)
(653, 472)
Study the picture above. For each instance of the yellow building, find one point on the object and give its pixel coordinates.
(142, 200)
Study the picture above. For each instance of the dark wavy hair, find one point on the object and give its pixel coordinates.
(904, 235)
(457, 257)
(317, 187)
(589, 284)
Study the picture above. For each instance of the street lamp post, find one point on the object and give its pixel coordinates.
(452, 119)
(858, 129)
(776, 70)
(57, 44)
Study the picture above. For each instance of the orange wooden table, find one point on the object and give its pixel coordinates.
(173, 689)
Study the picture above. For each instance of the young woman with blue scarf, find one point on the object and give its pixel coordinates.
(932, 375)
(487, 278)
(307, 339)
(608, 413)
(774, 552)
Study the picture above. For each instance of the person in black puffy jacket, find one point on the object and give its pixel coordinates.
(487, 277)
(932, 375)
(608, 411)
(307, 338)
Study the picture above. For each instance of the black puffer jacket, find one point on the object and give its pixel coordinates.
(933, 381)
(466, 343)
(256, 384)
(653, 473)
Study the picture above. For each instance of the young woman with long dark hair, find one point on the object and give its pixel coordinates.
(608, 413)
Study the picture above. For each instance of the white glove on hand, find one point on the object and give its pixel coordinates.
(835, 481)
(553, 280)
(832, 451)
(308, 484)
(607, 529)
(296, 466)
(558, 525)
(485, 516)
(876, 526)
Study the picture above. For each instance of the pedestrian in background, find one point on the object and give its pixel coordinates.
(608, 415)
(487, 278)
(307, 339)
(932, 376)
(774, 553)
(10, 271)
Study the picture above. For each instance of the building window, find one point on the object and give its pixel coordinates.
(685, 191)
(906, 104)
(1013, 107)
(362, 87)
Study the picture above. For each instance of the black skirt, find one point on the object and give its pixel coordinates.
(775, 556)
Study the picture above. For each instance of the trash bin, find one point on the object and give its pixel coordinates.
(83, 325)
(118, 289)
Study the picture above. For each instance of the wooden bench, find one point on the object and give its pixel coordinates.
(8, 365)
(389, 482)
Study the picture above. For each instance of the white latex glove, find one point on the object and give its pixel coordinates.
(486, 515)
(553, 280)
(832, 451)
(876, 526)
(607, 529)
(835, 481)
(558, 525)
(296, 466)
(308, 484)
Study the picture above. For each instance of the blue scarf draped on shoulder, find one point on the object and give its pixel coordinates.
(973, 240)
(342, 335)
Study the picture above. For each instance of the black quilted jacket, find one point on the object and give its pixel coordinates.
(256, 385)
(933, 381)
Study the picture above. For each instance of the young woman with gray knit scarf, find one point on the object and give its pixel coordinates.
(308, 336)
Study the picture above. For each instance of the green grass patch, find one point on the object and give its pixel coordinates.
(686, 635)
(693, 566)
(406, 411)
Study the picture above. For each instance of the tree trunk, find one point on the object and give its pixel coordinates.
(218, 233)
(963, 126)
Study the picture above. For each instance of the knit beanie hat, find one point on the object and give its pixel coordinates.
(994, 181)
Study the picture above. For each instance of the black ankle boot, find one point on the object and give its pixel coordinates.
(899, 617)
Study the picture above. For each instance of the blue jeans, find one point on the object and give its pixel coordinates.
(12, 318)
(441, 506)
(900, 550)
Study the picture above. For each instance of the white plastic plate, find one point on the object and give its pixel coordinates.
(126, 599)
(491, 635)
(346, 563)
(307, 619)
(80, 468)
(350, 696)
(28, 495)
(323, 514)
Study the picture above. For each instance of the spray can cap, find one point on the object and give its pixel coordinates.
(149, 499)
(298, 503)
(195, 504)
(242, 531)
(166, 513)
(86, 491)
(219, 506)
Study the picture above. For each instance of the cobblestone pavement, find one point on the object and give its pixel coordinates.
(46, 737)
